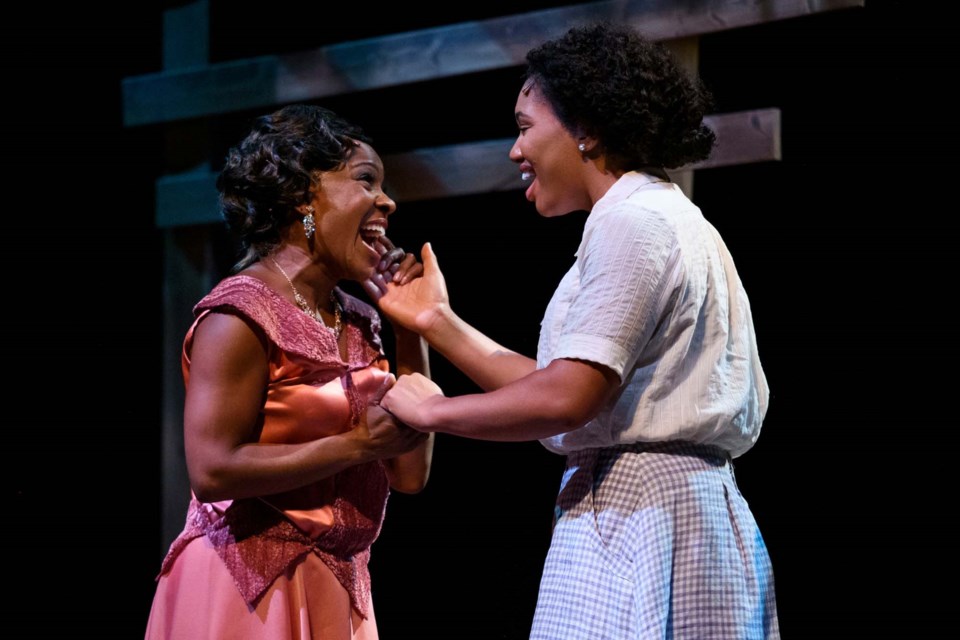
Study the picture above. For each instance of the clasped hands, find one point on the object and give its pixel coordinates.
(384, 435)
(413, 296)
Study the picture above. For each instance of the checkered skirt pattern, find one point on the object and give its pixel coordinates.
(654, 541)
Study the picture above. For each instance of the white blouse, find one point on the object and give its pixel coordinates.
(654, 296)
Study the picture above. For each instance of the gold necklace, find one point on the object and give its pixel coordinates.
(315, 313)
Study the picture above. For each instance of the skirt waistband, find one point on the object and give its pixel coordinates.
(671, 447)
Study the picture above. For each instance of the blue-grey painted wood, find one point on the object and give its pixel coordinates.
(477, 167)
(187, 271)
(426, 54)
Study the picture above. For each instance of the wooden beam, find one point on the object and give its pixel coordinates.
(427, 54)
(187, 198)
(743, 137)
(187, 270)
(477, 167)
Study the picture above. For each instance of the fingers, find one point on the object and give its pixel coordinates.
(407, 270)
(398, 267)
(392, 256)
(429, 258)
(388, 436)
(389, 253)
(385, 244)
(372, 290)
(388, 381)
(394, 261)
(375, 287)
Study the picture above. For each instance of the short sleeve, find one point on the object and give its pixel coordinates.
(629, 270)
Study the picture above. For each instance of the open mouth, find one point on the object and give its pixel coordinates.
(371, 233)
(529, 175)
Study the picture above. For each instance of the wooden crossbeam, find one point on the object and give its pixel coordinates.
(427, 54)
(478, 167)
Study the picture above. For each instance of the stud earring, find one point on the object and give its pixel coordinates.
(309, 228)
(582, 147)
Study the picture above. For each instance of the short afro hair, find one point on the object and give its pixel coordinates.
(612, 83)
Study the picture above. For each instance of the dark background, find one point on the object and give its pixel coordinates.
(846, 247)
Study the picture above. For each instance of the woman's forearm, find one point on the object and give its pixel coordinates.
(489, 364)
(409, 472)
(559, 398)
(412, 352)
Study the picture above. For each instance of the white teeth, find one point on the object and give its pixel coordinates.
(374, 230)
(526, 175)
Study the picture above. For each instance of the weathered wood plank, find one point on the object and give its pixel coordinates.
(187, 198)
(743, 137)
(478, 167)
(187, 269)
(425, 55)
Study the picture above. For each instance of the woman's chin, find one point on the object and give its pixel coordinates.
(365, 271)
(545, 208)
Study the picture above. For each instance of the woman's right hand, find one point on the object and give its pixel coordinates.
(396, 265)
(420, 303)
(409, 396)
(382, 436)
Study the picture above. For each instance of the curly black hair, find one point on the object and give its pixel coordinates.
(612, 83)
(272, 171)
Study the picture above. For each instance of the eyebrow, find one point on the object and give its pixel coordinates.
(519, 114)
(360, 163)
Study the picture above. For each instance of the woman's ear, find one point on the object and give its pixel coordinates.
(587, 145)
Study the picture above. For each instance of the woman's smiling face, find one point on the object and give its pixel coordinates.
(548, 157)
(351, 214)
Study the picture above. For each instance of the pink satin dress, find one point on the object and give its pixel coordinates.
(292, 565)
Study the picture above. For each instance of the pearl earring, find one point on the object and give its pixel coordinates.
(582, 147)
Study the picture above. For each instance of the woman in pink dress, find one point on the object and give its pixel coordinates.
(290, 458)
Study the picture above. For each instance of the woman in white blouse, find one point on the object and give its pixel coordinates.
(647, 376)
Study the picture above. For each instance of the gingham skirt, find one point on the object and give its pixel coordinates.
(654, 541)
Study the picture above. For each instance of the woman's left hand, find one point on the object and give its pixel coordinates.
(396, 266)
(410, 397)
